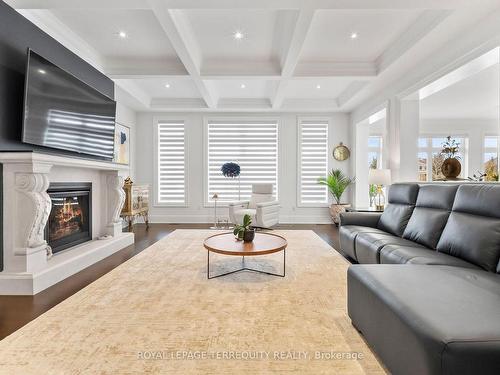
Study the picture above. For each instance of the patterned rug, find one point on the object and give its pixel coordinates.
(158, 314)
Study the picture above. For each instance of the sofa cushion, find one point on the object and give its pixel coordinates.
(472, 232)
(473, 238)
(437, 196)
(368, 246)
(426, 225)
(348, 234)
(392, 254)
(402, 198)
(431, 212)
(428, 320)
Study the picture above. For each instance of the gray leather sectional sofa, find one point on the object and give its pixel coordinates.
(426, 294)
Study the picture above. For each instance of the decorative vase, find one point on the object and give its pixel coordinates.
(249, 235)
(451, 168)
(336, 210)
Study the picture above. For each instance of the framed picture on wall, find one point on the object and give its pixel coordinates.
(122, 144)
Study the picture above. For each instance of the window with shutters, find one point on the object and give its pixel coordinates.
(171, 163)
(313, 162)
(253, 145)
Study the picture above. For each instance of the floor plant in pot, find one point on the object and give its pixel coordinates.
(244, 231)
(337, 182)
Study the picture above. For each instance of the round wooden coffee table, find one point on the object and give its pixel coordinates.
(263, 244)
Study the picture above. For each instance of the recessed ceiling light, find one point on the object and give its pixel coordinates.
(122, 34)
(243, 85)
(318, 86)
(238, 35)
(41, 71)
(167, 85)
(354, 35)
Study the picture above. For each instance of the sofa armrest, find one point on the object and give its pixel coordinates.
(267, 204)
(364, 219)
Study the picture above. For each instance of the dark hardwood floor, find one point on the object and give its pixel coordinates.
(16, 311)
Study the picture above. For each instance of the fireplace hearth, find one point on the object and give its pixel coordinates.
(70, 219)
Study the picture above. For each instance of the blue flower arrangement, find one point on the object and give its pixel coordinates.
(230, 170)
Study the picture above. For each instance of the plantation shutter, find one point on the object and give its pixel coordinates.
(171, 163)
(313, 162)
(251, 144)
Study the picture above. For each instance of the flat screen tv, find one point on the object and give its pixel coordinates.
(62, 112)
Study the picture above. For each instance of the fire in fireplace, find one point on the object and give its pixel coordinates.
(70, 219)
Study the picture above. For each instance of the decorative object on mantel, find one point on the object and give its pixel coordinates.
(451, 166)
(341, 152)
(122, 144)
(232, 170)
(379, 178)
(244, 231)
(214, 198)
(136, 202)
(337, 182)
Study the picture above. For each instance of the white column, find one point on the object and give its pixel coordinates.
(409, 129)
(362, 198)
(26, 208)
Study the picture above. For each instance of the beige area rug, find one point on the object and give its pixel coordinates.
(158, 314)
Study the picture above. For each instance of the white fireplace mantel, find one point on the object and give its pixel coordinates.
(29, 266)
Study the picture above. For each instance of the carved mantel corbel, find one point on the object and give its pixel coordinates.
(115, 202)
(34, 206)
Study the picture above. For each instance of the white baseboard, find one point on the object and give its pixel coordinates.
(203, 219)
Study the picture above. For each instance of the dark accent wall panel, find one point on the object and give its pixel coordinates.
(16, 35)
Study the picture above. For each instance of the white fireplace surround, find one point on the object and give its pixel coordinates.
(29, 266)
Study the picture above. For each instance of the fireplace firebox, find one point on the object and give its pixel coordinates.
(70, 219)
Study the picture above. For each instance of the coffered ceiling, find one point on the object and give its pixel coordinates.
(255, 55)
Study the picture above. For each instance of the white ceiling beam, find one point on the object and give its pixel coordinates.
(178, 103)
(182, 39)
(223, 69)
(143, 68)
(133, 89)
(302, 104)
(243, 4)
(422, 26)
(327, 69)
(290, 58)
(350, 92)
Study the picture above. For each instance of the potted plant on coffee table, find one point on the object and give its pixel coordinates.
(337, 182)
(244, 231)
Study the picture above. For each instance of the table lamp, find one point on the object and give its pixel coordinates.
(380, 178)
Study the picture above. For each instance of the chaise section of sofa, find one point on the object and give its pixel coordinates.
(428, 319)
(432, 305)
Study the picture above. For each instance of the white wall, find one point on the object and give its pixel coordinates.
(196, 212)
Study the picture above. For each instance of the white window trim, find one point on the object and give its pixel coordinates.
(490, 149)
(300, 119)
(378, 150)
(206, 120)
(156, 120)
(429, 150)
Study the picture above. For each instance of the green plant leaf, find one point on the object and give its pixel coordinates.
(337, 183)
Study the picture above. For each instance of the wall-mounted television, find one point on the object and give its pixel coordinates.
(63, 112)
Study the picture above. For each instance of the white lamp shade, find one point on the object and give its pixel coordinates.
(379, 177)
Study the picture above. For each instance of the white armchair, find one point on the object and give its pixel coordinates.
(262, 207)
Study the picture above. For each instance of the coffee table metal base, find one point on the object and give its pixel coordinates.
(245, 268)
